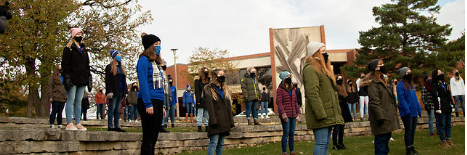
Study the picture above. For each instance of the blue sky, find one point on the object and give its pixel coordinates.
(241, 26)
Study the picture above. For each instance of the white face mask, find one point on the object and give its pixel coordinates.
(188, 89)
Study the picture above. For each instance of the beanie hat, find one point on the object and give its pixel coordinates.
(313, 47)
(372, 65)
(188, 85)
(283, 75)
(403, 70)
(75, 31)
(149, 39)
(113, 53)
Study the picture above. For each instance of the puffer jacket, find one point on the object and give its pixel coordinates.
(322, 106)
(408, 101)
(250, 88)
(287, 102)
(56, 90)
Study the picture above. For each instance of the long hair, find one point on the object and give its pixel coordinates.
(223, 85)
(56, 73)
(317, 61)
(114, 70)
(341, 89)
(204, 79)
(72, 40)
(151, 53)
(353, 87)
(287, 86)
(407, 83)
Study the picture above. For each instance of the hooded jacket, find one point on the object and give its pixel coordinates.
(250, 88)
(188, 97)
(56, 90)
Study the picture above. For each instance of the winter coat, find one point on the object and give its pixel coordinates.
(457, 88)
(112, 83)
(287, 102)
(265, 97)
(408, 101)
(345, 111)
(362, 90)
(147, 90)
(76, 65)
(250, 88)
(100, 98)
(439, 93)
(199, 87)
(352, 96)
(381, 106)
(427, 99)
(85, 103)
(132, 98)
(219, 110)
(322, 106)
(56, 90)
(188, 97)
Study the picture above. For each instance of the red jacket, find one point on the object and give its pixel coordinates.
(287, 103)
(100, 99)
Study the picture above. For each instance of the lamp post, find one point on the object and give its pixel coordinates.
(176, 81)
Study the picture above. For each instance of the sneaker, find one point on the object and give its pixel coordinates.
(80, 127)
(129, 121)
(267, 116)
(262, 116)
(136, 121)
(59, 126)
(52, 126)
(392, 139)
(71, 127)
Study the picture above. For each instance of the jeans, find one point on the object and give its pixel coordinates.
(288, 129)
(125, 113)
(73, 103)
(100, 110)
(133, 112)
(444, 125)
(170, 113)
(84, 112)
(363, 105)
(430, 119)
(57, 108)
(382, 144)
(352, 107)
(338, 132)
(251, 106)
(150, 124)
(114, 110)
(189, 108)
(264, 107)
(322, 140)
(216, 142)
(456, 100)
(410, 125)
(202, 112)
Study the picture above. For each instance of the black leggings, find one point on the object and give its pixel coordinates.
(338, 130)
(151, 125)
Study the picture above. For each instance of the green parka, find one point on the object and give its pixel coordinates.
(250, 88)
(322, 105)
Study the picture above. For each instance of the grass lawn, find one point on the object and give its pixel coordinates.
(362, 145)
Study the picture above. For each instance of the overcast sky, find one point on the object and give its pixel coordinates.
(242, 26)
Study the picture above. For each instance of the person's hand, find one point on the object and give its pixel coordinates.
(150, 110)
(163, 113)
(110, 95)
(439, 111)
(193, 105)
(419, 114)
(299, 118)
(50, 99)
(197, 103)
(284, 117)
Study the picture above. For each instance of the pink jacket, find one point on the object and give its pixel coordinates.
(287, 103)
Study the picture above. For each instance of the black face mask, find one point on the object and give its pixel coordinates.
(340, 81)
(170, 83)
(295, 85)
(206, 73)
(252, 74)
(60, 70)
(221, 79)
(350, 84)
(395, 82)
(264, 89)
(100, 91)
(408, 76)
(457, 73)
(78, 39)
(441, 77)
(288, 80)
(382, 69)
(326, 56)
(362, 76)
(164, 67)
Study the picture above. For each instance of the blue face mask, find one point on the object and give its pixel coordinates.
(158, 49)
(118, 58)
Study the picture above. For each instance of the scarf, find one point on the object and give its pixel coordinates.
(427, 86)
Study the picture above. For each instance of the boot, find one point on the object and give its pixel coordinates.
(293, 153)
(408, 151)
(336, 147)
(173, 125)
(118, 129)
(362, 119)
(199, 129)
(163, 129)
(342, 145)
(413, 150)
(257, 122)
(206, 128)
(445, 144)
(191, 118)
(457, 114)
(186, 118)
(449, 142)
(250, 122)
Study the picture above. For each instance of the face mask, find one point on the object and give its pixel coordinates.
(100, 91)
(157, 49)
(457, 73)
(295, 85)
(170, 83)
(60, 70)
(441, 77)
(264, 89)
(221, 79)
(395, 82)
(382, 69)
(288, 80)
(118, 58)
(362, 76)
(206, 73)
(408, 76)
(326, 56)
(340, 81)
(78, 39)
(164, 67)
(351, 84)
(188, 89)
(252, 74)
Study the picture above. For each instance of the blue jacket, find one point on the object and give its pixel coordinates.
(188, 97)
(173, 90)
(408, 101)
(147, 91)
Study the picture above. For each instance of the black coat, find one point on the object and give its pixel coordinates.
(352, 96)
(345, 109)
(219, 110)
(445, 95)
(199, 86)
(76, 64)
(112, 83)
(298, 93)
(85, 103)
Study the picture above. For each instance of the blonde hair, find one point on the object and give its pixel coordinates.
(317, 61)
(113, 68)
(72, 40)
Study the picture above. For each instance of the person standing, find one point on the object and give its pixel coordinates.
(264, 103)
(352, 99)
(200, 83)
(458, 91)
(173, 103)
(427, 99)
(132, 100)
(188, 102)
(409, 108)
(218, 104)
(57, 96)
(76, 76)
(382, 107)
(100, 101)
(363, 98)
(151, 96)
(116, 89)
(393, 89)
(322, 109)
(298, 93)
(338, 130)
(289, 112)
(443, 107)
(85, 106)
(167, 95)
(250, 90)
